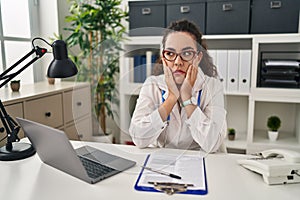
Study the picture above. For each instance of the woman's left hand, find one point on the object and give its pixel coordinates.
(189, 81)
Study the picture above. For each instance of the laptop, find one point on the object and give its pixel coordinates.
(86, 163)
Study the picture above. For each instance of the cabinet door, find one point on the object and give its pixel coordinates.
(45, 110)
(13, 110)
(76, 104)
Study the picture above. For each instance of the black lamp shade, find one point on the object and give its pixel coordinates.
(61, 66)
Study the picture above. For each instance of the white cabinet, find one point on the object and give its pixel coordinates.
(248, 107)
(46, 110)
(64, 105)
(77, 103)
(80, 129)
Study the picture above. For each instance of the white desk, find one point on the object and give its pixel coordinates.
(30, 179)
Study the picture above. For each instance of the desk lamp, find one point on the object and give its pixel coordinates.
(60, 67)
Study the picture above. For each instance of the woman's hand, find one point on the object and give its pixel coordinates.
(172, 87)
(189, 81)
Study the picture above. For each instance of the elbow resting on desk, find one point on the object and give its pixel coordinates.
(211, 140)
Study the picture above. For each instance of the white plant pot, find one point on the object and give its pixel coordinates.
(273, 135)
(103, 138)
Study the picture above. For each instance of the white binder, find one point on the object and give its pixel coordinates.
(244, 71)
(233, 71)
(213, 55)
(148, 63)
(128, 68)
(221, 63)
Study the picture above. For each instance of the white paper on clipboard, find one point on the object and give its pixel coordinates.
(190, 168)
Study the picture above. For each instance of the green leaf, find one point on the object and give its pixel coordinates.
(104, 19)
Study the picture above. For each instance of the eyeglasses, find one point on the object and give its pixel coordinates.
(184, 55)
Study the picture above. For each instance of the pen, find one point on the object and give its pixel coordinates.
(162, 172)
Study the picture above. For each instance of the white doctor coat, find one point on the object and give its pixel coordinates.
(205, 129)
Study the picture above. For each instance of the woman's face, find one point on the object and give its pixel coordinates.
(179, 53)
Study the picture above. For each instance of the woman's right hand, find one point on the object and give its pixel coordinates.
(172, 87)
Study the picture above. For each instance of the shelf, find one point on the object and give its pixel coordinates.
(276, 38)
(285, 139)
(226, 37)
(143, 40)
(264, 38)
(276, 95)
(240, 142)
(236, 94)
(247, 112)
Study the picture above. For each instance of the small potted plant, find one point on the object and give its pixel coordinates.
(273, 124)
(231, 133)
(15, 85)
(51, 81)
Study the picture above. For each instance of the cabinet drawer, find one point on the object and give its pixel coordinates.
(145, 14)
(193, 10)
(76, 103)
(45, 110)
(13, 110)
(72, 132)
(228, 17)
(279, 16)
(80, 130)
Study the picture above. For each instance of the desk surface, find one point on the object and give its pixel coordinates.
(30, 179)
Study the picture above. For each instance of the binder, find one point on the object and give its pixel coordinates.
(192, 163)
(143, 67)
(148, 63)
(221, 63)
(137, 69)
(140, 68)
(244, 71)
(153, 60)
(129, 65)
(233, 71)
(213, 55)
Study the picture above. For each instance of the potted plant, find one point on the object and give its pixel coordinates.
(231, 133)
(51, 81)
(97, 28)
(15, 85)
(273, 124)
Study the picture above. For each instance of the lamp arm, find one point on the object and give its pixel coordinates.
(17, 63)
(10, 126)
(39, 53)
(11, 76)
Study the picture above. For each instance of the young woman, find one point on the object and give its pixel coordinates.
(184, 107)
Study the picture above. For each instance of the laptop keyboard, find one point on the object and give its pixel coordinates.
(95, 170)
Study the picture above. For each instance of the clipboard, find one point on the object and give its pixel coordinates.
(185, 189)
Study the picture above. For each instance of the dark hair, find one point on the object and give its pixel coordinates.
(184, 25)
